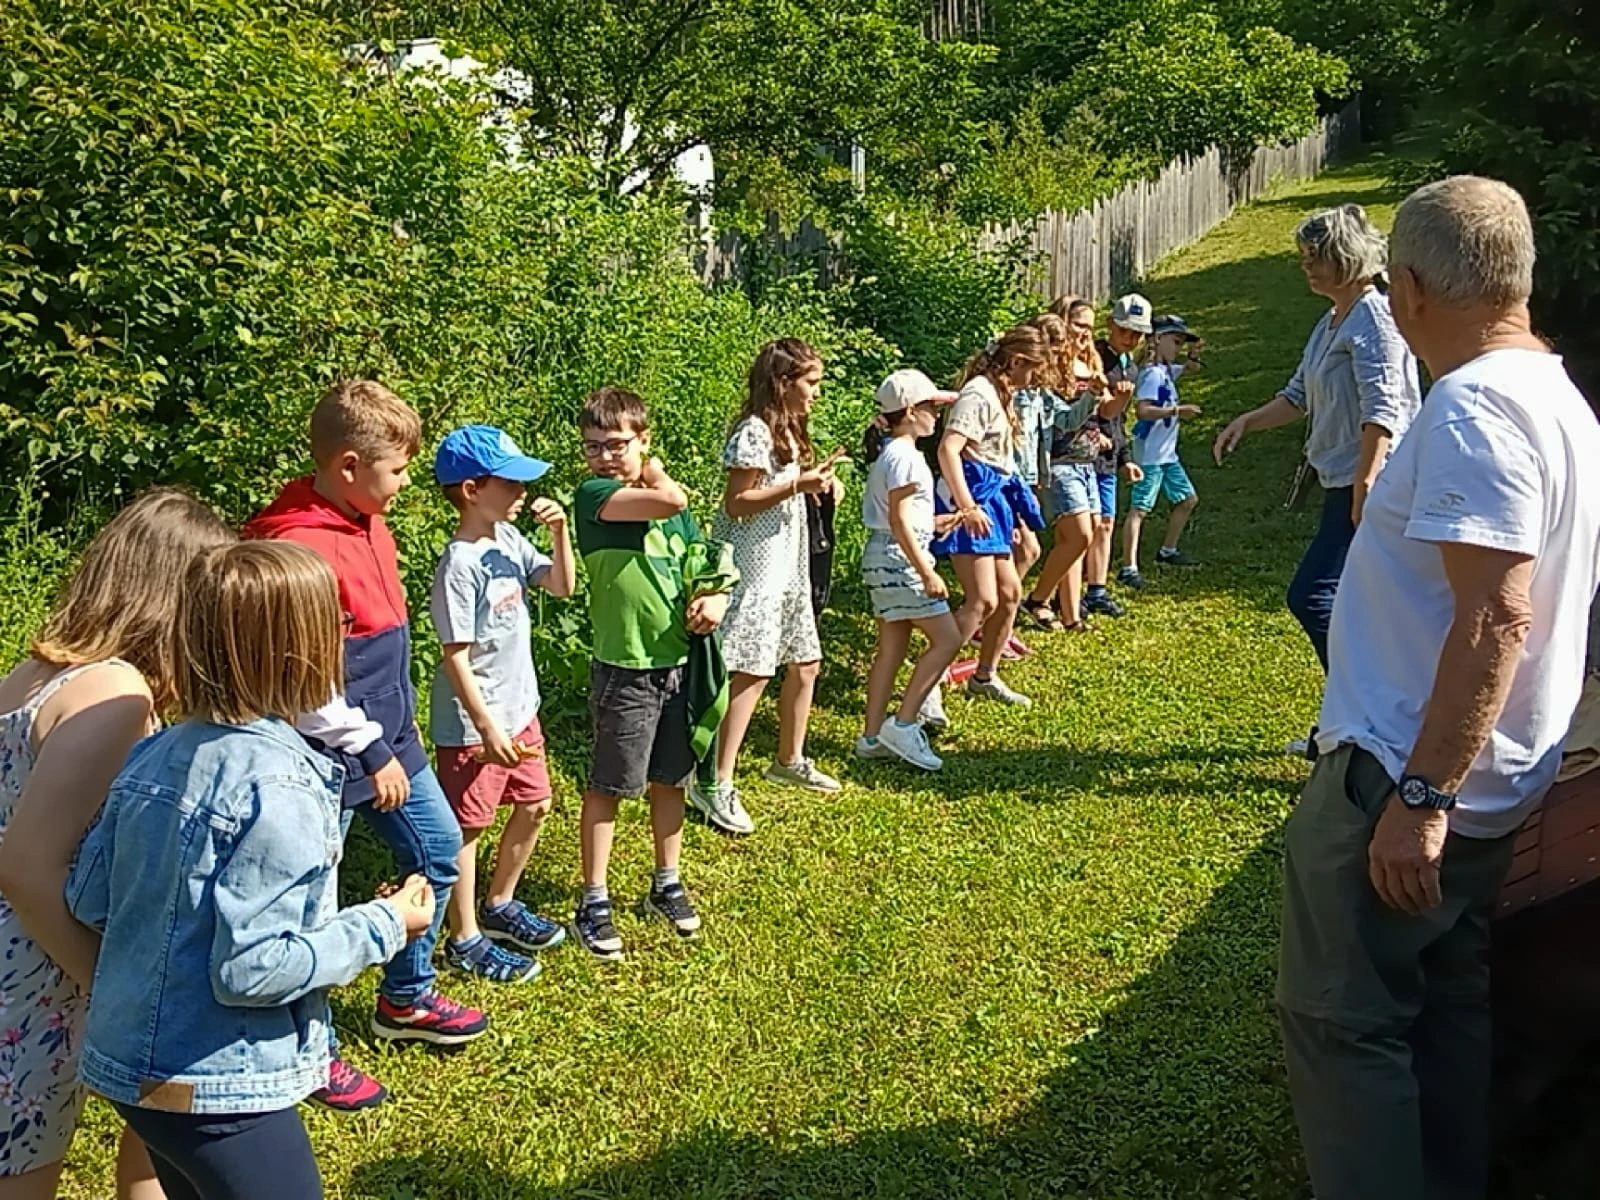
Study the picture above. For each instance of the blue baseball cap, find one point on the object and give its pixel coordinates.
(474, 451)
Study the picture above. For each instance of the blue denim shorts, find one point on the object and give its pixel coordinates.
(1108, 494)
(1073, 489)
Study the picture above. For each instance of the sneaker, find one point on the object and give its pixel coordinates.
(932, 714)
(349, 1089)
(430, 1018)
(1299, 748)
(722, 808)
(872, 747)
(803, 774)
(1102, 604)
(514, 923)
(483, 958)
(592, 926)
(909, 743)
(994, 688)
(1175, 558)
(1129, 577)
(672, 904)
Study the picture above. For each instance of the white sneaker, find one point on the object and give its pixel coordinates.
(803, 774)
(1299, 748)
(994, 688)
(908, 742)
(932, 712)
(722, 809)
(872, 748)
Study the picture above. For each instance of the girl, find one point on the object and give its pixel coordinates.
(95, 678)
(1075, 443)
(771, 468)
(980, 485)
(906, 589)
(210, 876)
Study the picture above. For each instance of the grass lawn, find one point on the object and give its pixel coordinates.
(1045, 972)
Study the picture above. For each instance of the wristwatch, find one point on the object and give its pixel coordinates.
(1417, 792)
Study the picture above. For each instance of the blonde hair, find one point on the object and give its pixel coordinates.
(1345, 239)
(258, 634)
(365, 417)
(121, 600)
(1054, 328)
(1468, 240)
(778, 364)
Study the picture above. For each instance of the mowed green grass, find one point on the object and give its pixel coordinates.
(1045, 972)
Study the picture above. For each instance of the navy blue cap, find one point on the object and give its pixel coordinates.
(474, 451)
(1172, 323)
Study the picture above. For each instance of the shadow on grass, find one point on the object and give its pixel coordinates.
(1178, 1094)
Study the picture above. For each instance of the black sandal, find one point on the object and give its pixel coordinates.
(1043, 616)
(1082, 625)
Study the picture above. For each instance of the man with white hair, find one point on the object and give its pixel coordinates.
(1456, 660)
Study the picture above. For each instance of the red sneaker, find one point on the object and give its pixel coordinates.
(349, 1089)
(430, 1018)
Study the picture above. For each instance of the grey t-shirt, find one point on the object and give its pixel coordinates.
(1358, 373)
(480, 596)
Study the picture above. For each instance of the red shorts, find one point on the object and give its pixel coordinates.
(475, 789)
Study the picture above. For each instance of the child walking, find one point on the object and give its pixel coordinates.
(634, 532)
(1125, 332)
(211, 877)
(977, 463)
(484, 708)
(1155, 447)
(771, 467)
(363, 438)
(899, 570)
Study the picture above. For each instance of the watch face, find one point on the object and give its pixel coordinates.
(1414, 792)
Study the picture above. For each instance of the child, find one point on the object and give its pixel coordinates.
(1155, 447)
(977, 462)
(363, 437)
(907, 591)
(1125, 332)
(96, 677)
(771, 467)
(484, 707)
(211, 876)
(633, 531)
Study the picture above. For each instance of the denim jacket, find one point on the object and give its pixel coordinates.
(211, 875)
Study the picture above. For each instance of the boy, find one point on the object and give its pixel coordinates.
(1155, 447)
(1125, 331)
(363, 437)
(484, 705)
(633, 530)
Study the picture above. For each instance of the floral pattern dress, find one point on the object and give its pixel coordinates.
(42, 1012)
(770, 621)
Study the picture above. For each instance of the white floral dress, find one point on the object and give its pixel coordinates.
(42, 1012)
(769, 620)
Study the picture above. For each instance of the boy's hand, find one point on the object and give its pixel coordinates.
(548, 513)
(1134, 472)
(393, 786)
(933, 583)
(654, 473)
(1187, 411)
(413, 902)
(706, 612)
(497, 748)
(1123, 390)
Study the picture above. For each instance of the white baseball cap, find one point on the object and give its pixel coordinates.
(1133, 312)
(908, 388)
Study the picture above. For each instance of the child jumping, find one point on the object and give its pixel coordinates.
(484, 711)
(633, 531)
(907, 592)
(211, 876)
(1155, 447)
(771, 465)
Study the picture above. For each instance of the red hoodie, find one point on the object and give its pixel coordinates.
(377, 633)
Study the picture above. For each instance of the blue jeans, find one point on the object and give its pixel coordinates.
(424, 837)
(1316, 580)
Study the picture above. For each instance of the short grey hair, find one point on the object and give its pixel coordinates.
(1345, 240)
(1468, 241)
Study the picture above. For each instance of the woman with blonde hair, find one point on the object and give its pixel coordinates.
(97, 678)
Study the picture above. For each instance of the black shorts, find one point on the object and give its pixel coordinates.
(641, 729)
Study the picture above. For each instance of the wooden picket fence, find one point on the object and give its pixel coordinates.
(1099, 250)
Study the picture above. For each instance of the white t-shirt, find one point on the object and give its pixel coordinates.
(979, 415)
(899, 464)
(1155, 443)
(1505, 455)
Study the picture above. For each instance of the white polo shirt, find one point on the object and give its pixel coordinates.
(1504, 454)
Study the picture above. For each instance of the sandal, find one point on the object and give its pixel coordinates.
(1082, 625)
(1043, 616)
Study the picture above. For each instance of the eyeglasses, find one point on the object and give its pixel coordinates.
(613, 446)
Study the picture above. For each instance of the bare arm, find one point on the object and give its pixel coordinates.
(900, 525)
(562, 576)
(96, 719)
(1375, 442)
(951, 446)
(744, 497)
(496, 742)
(655, 497)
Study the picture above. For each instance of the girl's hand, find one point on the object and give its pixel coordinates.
(1187, 411)
(548, 513)
(976, 522)
(814, 481)
(943, 523)
(413, 903)
(933, 584)
(706, 612)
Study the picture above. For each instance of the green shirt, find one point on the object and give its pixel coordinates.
(637, 600)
